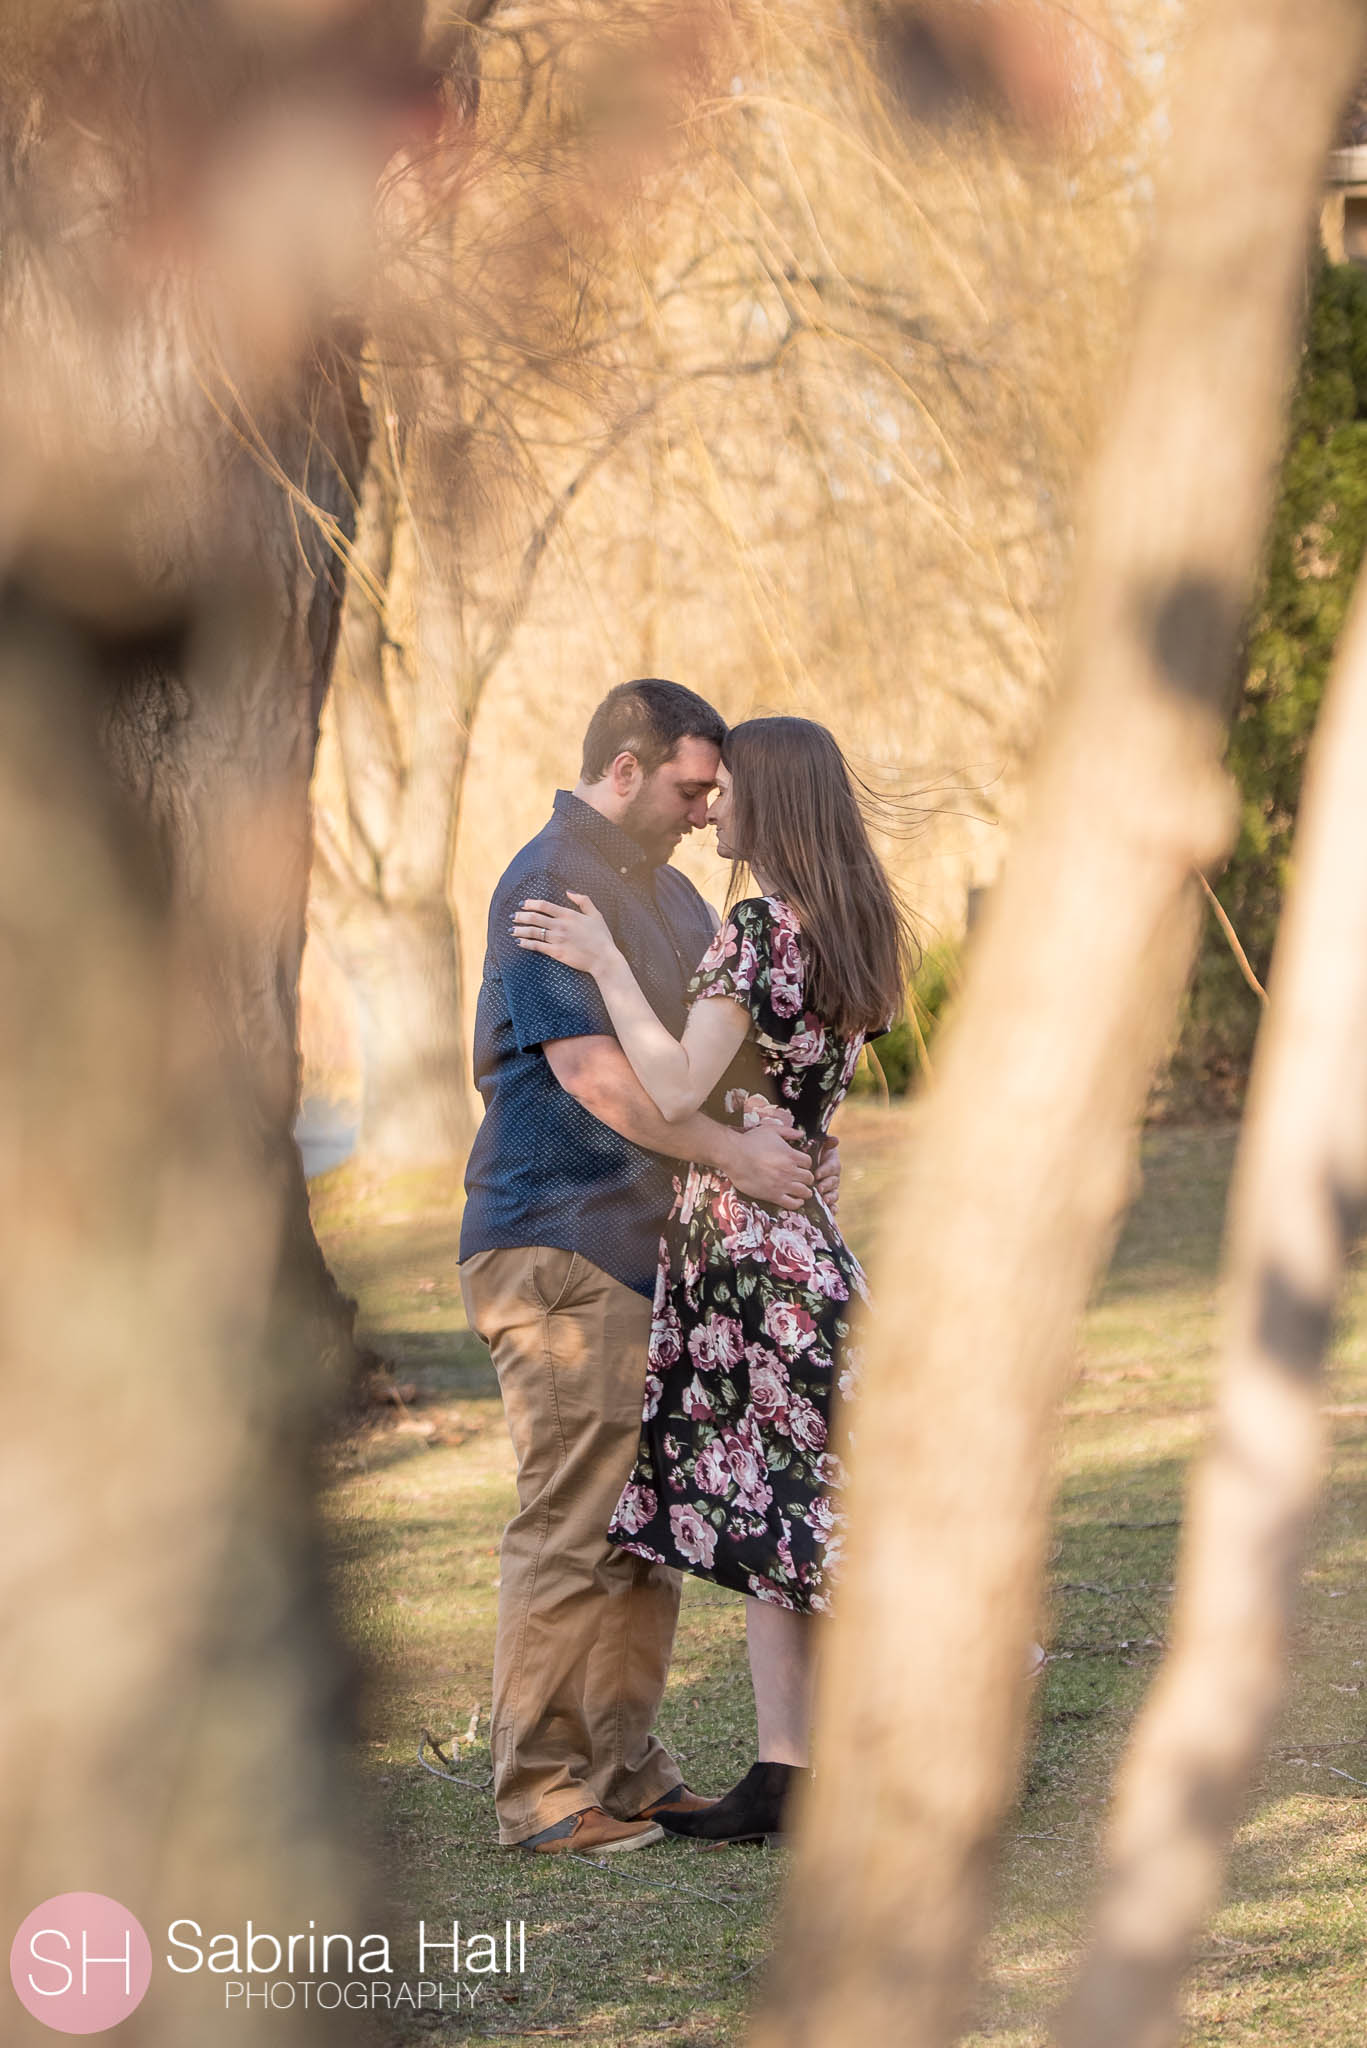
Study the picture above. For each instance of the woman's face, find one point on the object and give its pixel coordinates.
(719, 814)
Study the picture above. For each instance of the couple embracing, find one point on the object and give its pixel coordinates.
(650, 1252)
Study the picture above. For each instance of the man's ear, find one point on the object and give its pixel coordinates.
(625, 775)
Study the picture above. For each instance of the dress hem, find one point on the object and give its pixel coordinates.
(714, 1578)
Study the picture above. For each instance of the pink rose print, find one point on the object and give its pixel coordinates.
(719, 1341)
(655, 1386)
(748, 1469)
(742, 1228)
(722, 948)
(792, 1329)
(745, 1244)
(785, 972)
(826, 1281)
(694, 1538)
(830, 1473)
(808, 1045)
(695, 1403)
(790, 1255)
(666, 1338)
(636, 1507)
(820, 1516)
(768, 1386)
(805, 1424)
(728, 1340)
(712, 1473)
(747, 1105)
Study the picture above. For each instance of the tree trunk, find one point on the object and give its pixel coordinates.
(211, 725)
(402, 963)
(1297, 1207)
(403, 703)
(178, 1704)
(174, 1688)
(1023, 1153)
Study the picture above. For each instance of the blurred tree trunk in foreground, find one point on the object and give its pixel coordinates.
(1023, 1152)
(210, 720)
(1296, 1210)
(175, 1707)
(181, 446)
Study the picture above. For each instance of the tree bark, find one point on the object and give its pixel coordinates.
(404, 701)
(175, 1688)
(402, 964)
(212, 722)
(1023, 1153)
(1298, 1202)
(178, 1705)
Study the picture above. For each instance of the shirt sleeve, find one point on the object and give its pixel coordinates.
(546, 1000)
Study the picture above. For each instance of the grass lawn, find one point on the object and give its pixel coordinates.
(669, 1942)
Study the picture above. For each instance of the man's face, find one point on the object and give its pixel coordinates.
(673, 801)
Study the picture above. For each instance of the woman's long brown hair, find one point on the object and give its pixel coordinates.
(795, 817)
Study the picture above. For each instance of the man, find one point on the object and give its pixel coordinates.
(569, 1183)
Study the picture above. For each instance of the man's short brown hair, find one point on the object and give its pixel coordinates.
(649, 718)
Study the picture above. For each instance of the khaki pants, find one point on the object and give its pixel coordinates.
(584, 1629)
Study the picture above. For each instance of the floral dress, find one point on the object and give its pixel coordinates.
(750, 1339)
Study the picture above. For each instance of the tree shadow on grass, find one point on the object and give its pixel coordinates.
(1172, 1233)
(1109, 1591)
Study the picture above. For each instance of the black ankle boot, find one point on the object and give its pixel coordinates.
(750, 1812)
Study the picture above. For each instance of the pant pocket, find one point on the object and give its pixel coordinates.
(554, 1276)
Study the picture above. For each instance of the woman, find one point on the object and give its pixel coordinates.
(750, 1343)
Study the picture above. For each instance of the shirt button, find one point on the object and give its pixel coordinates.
(621, 871)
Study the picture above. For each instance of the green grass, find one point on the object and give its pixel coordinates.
(671, 1942)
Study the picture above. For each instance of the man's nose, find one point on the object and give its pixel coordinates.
(697, 812)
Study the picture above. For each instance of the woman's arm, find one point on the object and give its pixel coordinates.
(677, 1075)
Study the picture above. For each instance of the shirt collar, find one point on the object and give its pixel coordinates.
(611, 841)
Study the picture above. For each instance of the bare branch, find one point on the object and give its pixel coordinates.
(1222, 919)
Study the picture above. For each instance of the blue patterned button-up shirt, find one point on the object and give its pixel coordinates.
(543, 1170)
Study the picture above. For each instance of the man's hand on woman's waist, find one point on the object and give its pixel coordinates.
(766, 1163)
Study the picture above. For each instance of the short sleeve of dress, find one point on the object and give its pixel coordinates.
(756, 959)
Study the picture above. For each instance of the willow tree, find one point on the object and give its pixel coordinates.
(502, 392)
(793, 414)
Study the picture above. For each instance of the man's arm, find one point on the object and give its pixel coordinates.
(762, 1163)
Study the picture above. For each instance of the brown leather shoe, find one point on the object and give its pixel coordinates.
(593, 1832)
(678, 1799)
